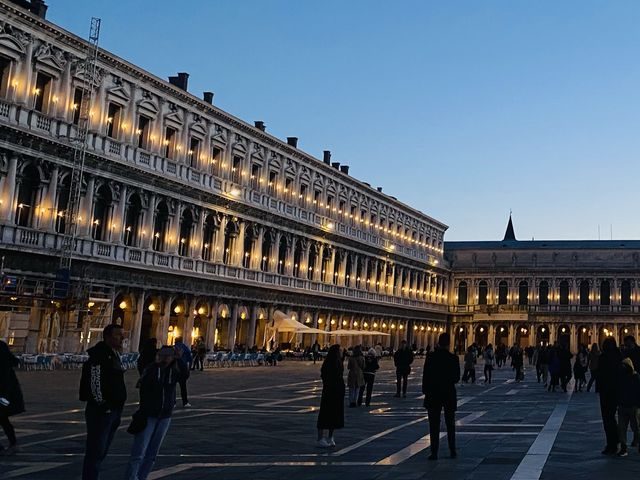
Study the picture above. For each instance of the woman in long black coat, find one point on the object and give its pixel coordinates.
(11, 401)
(607, 378)
(331, 416)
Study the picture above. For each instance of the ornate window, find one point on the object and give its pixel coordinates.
(483, 292)
(503, 293)
(462, 293)
(543, 293)
(523, 293)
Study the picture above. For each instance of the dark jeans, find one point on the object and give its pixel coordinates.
(469, 374)
(8, 429)
(487, 373)
(401, 379)
(369, 378)
(608, 411)
(101, 428)
(434, 427)
(183, 391)
(591, 380)
(198, 363)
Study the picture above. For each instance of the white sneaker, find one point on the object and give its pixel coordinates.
(331, 442)
(322, 443)
(187, 405)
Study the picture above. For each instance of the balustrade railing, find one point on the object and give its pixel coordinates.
(568, 309)
(269, 200)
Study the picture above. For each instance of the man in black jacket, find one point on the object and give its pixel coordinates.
(102, 387)
(440, 375)
(402, 359)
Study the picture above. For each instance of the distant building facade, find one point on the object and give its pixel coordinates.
(532, 292)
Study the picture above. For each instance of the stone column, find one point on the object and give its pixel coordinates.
(239, 245)
(174, 230)
(49, 204)
(594, 333)
(317, 268)
(149, 217)
(212, 325)
(253, 320)
(233, 324)
(188, 322)
(573, 340)
(290, 257)
(218, 252)
(8, 191)
(163, 324)
(118, 219)
(86, 209)
(197, 240)
(354, 270)
(134, 341)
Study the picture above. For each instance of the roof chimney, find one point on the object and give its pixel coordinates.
(345, 169)
(380, 189)
(181, 80)
(326, 157)
(293, 141)
(208, 97)
(260, 125)
(336, 165)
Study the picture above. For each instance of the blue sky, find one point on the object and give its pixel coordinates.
(462, 109)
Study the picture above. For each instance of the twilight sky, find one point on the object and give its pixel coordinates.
(462, 109)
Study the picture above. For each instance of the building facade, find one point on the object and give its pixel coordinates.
(191, 222)
(532, 292)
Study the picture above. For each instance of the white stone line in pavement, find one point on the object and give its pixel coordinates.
(377, 436)
(29, 468)
(512, 391)
(169, 471)
(530, 467)
(497, 433)
(287, 400)
(422, 444)
(254, 389)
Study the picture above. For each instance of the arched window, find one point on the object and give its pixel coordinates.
(584, 293)
(246, 255)
(297, 258)
(101, 213)
(266, 249)
(160, 226)
(543, 293)
(462, 293)
(564, 293)
(282, 255)
(133, 217)
(208, 233)
(186, 227)
(311, 262)
(483, 292)
(28, 191)
(61, 206)
(605, 292)
(523, 293)
(503, 291)
(625, 292)
(348, 270)
(326, 260)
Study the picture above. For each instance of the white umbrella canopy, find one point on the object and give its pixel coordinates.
(284, 323)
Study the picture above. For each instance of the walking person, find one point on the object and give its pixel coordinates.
(632, 350)
(580, 368)
(542, 365)
(517, 362)
(371, 366)
(102, 387)
(355, 377)
(594, 357)
(607, 386)
(469, 366)
(489, 359)
(331, 415)
(157, 400)
(440, 375)
(200, 355)
(402, 360)
(147, 354)
(628, 404)
(565, 356)
(184, 357)
(315, 351)
(554, 368)
(11, 400)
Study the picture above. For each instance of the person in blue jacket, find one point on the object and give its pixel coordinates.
(184, 362)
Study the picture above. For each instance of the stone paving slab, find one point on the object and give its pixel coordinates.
(259, 423)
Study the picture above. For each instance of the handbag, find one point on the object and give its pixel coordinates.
(138, 423)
